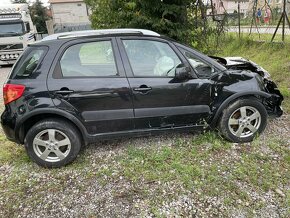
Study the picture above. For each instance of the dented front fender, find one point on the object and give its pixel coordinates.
(229, 86)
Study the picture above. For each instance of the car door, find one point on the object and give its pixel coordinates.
(89, 80)
(160, 99)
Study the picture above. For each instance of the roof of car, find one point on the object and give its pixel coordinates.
(85, 33)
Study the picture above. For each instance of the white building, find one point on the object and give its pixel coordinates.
(231, 6)
(69, 12)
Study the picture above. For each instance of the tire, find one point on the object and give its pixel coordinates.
(53, 143)
(242, 120)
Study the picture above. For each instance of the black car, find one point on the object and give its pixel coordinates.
(71, 89)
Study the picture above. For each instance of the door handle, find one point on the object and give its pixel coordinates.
(143, 89)
(64, 91)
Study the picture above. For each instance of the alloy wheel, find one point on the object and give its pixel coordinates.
(51, 145)
(244, 122)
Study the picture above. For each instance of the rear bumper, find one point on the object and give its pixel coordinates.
(8, 126)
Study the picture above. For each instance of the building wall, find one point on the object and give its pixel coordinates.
(70, 13)
(230, 6)
(274, 5)
(246, 6)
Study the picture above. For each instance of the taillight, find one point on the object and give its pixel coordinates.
(12, 92)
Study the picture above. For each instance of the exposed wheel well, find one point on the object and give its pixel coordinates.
(219, 113)
(254, 97)
(34, 119)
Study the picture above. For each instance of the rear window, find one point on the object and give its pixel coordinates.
(28, 62)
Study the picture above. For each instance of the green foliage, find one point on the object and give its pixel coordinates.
(38, 16)
(177, 19)
(274, 57)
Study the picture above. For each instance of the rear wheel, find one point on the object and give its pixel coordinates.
(243, 120)
(53, 143)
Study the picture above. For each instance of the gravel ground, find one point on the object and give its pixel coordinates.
(3, 75)
(87, 188)
(4, 71)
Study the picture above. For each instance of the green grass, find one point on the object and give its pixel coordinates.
(159, 170)
(274, 57)
(9, 152)
(265, 37)
(202, 165)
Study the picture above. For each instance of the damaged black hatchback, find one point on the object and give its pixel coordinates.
(75, 88)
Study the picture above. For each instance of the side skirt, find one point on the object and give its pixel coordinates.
(144, 132)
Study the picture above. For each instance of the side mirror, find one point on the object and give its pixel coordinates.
(182, 72)
(27, 27)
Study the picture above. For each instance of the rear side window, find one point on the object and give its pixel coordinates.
(92, 59)
(28, 62)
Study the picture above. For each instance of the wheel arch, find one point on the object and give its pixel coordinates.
(28, 121)
(233, 98)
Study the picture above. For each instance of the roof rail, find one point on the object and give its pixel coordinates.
(85, 33)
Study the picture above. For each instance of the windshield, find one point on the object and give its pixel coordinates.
(11, 29)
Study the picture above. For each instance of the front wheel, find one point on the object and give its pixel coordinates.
(53, 143)
(243, 120)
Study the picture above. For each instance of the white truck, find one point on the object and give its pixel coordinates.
(16, 31)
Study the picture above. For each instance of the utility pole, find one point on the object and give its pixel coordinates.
(283, 18)
(239, 18)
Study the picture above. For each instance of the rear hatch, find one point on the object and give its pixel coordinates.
(23, 73)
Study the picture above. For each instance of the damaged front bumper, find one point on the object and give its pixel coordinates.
(273, 104)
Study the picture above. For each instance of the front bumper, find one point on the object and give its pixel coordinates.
(273, 104)
(9, 57)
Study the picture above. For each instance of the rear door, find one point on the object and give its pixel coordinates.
(160, 100)
(89, 80)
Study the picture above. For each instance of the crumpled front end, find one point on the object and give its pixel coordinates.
(239, 64)
(273, 104)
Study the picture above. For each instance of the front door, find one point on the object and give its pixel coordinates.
(160, 100)
(89, 81)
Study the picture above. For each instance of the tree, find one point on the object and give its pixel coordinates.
(168, 17)
(38, 16)
(183, 20)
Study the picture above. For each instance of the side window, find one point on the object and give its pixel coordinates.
(89, 59)
(151, 58)
(28, 62)
(203, 69)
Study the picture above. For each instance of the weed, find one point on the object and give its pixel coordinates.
(274, 57)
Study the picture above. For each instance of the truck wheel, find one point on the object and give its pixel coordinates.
(242, 120)
(53, 143)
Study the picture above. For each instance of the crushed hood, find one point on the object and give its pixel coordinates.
(240, 63)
